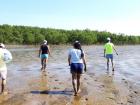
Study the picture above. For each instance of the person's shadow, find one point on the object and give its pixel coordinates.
(44, 88)
(64, 92)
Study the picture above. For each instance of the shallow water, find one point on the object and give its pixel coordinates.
(29, 86)
(26, 62)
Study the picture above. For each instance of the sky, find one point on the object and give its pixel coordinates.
(116, 16)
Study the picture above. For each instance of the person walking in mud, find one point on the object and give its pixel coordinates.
(108, 52)
(3, 69)
(76, 60)
(44, 53)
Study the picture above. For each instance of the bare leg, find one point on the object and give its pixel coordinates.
(3, 85)
(78, 82)
(73, 82)
(45, 62)
(42, 64)
(112, 65)
(107, 64)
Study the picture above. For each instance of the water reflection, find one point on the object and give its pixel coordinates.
(26, 64)
(76, 100)
(110, 72)
(44, 81)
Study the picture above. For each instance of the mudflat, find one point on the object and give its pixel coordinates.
(27, 85)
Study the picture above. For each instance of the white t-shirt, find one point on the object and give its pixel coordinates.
(75, 55)
(2, 63)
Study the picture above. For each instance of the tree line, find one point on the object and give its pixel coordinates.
(35, 35)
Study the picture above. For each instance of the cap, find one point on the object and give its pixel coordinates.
(76, 41)
(45, 41)
(108, 39)
(2, 45)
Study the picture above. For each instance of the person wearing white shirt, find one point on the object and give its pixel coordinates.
(76, 60)
(3, 69)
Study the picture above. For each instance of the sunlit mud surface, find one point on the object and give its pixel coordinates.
(27, 85)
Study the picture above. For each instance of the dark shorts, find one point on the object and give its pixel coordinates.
(76, 68)
(109, 56)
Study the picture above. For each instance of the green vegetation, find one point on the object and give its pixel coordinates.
(35, 35)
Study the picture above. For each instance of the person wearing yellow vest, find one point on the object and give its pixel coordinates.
(108, 52)
(3, 69)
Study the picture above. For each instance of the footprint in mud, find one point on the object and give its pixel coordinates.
(120, 103)
(131, 96)
(44, 73)
(60, 83)
(116, 92)
(91, 76)
(95, 80)
(102, 86)
(130, 87)
(135, 92)
(125, 82)
(112, 98)
(56, 80)
(43, 103)
(130, 101)
(86, 99)
(123, 79)
(85, 79)
(52, 76)
(56, 88)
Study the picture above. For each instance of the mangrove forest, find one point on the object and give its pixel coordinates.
(35, 35)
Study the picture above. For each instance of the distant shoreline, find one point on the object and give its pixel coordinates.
(25, 35)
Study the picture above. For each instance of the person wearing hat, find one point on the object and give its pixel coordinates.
(76, 60)
(44, 53)
(3, 69)
(108, 52)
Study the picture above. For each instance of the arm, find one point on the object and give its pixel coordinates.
(49, 51)
(115, 50)
(84, 61)
(104, 52)
(39, 52)
(69, 59)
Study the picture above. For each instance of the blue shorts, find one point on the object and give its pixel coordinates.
(76, 68)
(44, 56)
(109, 56)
